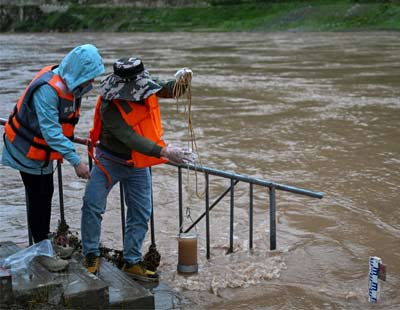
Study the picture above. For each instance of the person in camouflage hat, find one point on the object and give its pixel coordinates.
(130, 81)
(128, 132)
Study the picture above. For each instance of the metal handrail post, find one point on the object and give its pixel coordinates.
(60, 191)
(231, 217)
(152, 233)
(207, 198)
(251, 217)
(272, 218)
(180, 199)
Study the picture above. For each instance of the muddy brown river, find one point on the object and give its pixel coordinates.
(319, 111)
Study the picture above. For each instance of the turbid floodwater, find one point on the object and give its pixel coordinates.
(320, 111)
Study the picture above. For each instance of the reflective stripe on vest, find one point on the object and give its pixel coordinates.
(22, 128)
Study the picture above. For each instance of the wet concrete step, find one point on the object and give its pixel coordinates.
(124, 292)
(75, 287)
(81, 288)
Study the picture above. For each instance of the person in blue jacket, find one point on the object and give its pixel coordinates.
(40, 129)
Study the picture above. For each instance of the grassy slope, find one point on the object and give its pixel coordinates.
(282, 16)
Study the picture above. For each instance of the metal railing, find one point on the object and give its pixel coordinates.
(234, 180)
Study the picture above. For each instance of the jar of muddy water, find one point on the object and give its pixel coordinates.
(187, 253)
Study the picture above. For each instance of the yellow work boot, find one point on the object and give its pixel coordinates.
(138, 271)
(92, 263)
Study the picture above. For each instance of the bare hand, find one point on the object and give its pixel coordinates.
(82, 171)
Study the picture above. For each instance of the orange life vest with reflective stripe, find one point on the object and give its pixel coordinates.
(22, 128)
(144, 119)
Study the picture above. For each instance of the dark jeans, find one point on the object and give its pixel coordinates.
(39, 190)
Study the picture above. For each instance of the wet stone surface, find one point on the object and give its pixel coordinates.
(36, 288)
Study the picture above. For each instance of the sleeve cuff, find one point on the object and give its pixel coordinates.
(156, 151)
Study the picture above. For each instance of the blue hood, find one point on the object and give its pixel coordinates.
(82, 64)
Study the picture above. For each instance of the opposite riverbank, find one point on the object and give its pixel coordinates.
(207, 16)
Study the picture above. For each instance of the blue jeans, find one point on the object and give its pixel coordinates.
(137, 191)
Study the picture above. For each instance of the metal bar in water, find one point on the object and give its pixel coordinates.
(232, 218)
(211, 207)
(207, 216)
(121, 197)
(251, 217)
(272, 218)
(60, 191)
(180, 199)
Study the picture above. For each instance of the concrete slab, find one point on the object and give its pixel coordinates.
(125, 293)
(82, 289)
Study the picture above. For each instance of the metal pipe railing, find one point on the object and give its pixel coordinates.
(234, 179)
(256, 181)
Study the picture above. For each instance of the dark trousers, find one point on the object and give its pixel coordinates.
(39, 190)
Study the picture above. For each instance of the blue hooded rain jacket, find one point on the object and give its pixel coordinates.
(80, 65)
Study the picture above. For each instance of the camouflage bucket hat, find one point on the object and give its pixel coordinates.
(130, 81)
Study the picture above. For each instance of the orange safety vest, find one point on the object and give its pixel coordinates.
(144, 119)
(22, 128)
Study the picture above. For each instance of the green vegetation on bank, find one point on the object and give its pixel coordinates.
(320, 15)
